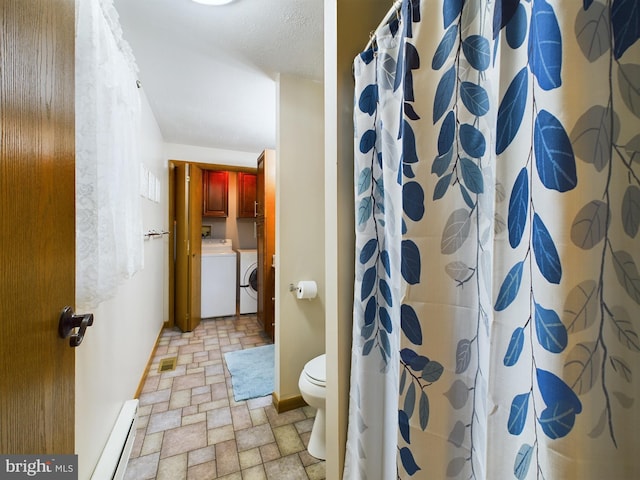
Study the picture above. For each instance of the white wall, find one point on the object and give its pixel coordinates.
(112, 358)
(300, 325)
(346, 30)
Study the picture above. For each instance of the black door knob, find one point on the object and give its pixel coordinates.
(69, 321)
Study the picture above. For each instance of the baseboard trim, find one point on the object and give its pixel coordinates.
(149, 362)
(286, 404)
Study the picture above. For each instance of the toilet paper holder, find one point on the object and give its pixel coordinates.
(305, 289)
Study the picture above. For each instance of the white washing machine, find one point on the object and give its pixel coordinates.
(248, 280)
(219, 266)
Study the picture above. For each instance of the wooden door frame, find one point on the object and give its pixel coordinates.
(172, 215)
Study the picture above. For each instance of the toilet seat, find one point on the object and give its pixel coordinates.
(316, 370)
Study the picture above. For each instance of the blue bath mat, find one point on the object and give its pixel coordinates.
(251, 371)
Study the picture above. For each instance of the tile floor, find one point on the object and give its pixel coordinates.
(190, 427)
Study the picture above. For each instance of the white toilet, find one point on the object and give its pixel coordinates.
(312, 387)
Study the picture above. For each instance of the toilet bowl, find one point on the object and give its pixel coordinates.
(312, 387)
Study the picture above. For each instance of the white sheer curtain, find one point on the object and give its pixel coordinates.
(505, 342)
(109, 237)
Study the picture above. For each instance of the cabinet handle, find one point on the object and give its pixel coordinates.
(255, 209)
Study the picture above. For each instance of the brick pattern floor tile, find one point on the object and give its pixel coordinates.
(190, 427)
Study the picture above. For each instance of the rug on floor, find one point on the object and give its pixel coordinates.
(251, 371)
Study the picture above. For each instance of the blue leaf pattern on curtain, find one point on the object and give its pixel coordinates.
(497, 290)
(382, 152)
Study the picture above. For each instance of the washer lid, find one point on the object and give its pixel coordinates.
(316, 370)
(217, 245)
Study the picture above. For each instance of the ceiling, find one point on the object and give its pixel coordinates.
(210, 73)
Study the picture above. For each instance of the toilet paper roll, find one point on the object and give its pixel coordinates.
(307, 289)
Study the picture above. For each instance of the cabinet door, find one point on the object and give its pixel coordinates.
(216, 189)
(246, 195)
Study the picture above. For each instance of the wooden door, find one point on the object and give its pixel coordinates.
(195, 241)
(260, 308)
(37, 225)
(266, 239)
(188, 244)
(181, 247)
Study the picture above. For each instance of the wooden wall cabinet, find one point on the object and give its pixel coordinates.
(246, 195)
(216, 193)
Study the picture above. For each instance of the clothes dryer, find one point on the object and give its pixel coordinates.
(248, 280)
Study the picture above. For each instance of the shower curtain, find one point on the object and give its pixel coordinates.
(497, 197)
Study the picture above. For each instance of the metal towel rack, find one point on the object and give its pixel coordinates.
(154, 234)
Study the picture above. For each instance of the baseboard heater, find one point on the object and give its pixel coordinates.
(114, 458)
